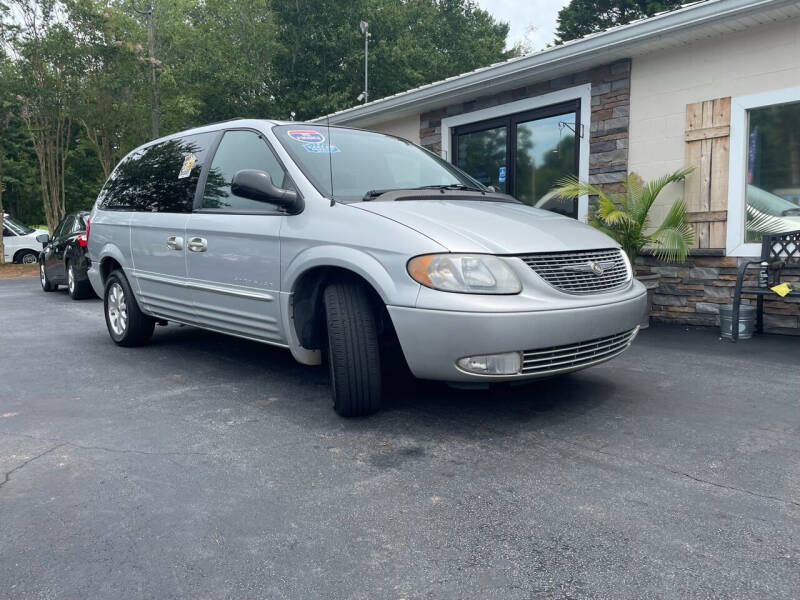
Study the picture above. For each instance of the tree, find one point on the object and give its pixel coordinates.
(80, 74)
(47, 67)
(318, 67)
(111, 105)
(5, 116)
(582, 17)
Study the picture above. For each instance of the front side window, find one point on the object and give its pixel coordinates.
(773, 170)
(158, 178)
(345, 164)
(238, 150)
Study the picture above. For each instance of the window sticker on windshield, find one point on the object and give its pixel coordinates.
(306, 136)
(189, 162)
(321, 148)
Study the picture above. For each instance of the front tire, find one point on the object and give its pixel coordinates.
(353, 354)
(46, 285)
(78, 290)
(27, 257)
(127, 324)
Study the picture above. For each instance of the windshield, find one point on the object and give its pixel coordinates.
(16, 226)
(354, 162)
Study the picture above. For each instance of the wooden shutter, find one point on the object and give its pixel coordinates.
(706, 190)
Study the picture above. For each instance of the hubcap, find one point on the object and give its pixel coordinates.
(28, 259)
(70, 280)
(42, 276)
(117, 309)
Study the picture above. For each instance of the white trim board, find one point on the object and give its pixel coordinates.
(579, 92)
(737, 165)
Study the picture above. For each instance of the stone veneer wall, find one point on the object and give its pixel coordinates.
(608, 131)
(692, 292)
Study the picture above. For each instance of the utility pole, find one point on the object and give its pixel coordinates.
(365, 30)
(151, 56)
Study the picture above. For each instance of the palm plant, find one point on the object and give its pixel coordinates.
(625, 215)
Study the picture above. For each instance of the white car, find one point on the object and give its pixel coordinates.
(20, 242)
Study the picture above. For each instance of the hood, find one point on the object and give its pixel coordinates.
(492, 227)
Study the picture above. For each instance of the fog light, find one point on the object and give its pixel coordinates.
(508, 363)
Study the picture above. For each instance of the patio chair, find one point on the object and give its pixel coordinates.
(782, 252)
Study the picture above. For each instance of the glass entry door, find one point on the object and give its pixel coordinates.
(524, 154)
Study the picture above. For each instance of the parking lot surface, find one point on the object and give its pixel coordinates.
(203, 466)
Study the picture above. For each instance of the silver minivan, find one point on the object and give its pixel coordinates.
(347, 245)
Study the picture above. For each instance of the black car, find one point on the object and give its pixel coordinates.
(64, 259)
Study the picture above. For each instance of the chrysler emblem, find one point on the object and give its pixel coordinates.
(598, 268)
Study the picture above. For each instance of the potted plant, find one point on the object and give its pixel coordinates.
(625, 216)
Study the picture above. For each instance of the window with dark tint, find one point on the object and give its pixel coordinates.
(241, 150)
(773, 170)
(159, 178)
(523, 154)
(62, 229)
(77, 225)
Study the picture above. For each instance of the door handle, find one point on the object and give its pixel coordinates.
(198, 244)
(174, 242)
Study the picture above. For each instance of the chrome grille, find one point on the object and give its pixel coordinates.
(556, 359)
(572, 272)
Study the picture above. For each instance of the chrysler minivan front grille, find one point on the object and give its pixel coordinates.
(557, 359)
(583, 271)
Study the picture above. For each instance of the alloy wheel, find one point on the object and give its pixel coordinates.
(28, 259)
(42, 276)
(71, 280)
(117, 309)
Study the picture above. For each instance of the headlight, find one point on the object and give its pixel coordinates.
(465, 273)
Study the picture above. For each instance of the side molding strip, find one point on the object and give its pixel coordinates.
(207, 287)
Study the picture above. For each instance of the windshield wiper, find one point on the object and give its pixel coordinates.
(452, 186)
(372, 194)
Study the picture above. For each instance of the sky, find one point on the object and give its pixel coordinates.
(532, 22)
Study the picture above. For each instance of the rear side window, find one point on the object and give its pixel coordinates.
(241, 150)
(159, 178)
(63, 227)
(77, 225)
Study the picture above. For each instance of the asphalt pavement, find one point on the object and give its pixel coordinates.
(205, 467)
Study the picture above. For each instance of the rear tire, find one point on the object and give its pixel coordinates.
(78, 290)
(127, 324)
(353, 354)
(46, 285)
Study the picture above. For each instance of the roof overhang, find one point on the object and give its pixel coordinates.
(660, 32)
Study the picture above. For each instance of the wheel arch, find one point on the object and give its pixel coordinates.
(19, 253)
(305, 281)
(110, 259)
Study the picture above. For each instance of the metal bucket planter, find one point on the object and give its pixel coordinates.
(651, 282)
(747, 321)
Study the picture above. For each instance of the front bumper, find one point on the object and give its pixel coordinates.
(433, 340)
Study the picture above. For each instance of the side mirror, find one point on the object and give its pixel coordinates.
(43, 238)
(257, 185)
